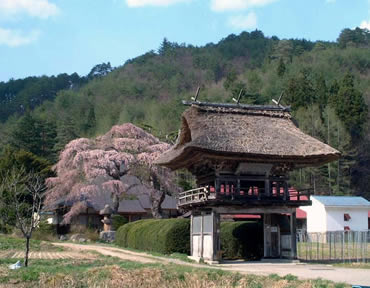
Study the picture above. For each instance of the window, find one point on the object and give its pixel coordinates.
(347, 217)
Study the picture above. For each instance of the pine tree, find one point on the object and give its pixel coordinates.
(47, 131)
(321, 91)
(90, 121)
(26, 134)
(281, 68)
(66, 131)
(351, 107)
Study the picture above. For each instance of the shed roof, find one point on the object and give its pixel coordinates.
(249, 134)
(130, 206)
(342, 201)
(99, 200)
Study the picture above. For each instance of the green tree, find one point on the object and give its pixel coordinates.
(321, 90)
(100, 70)
(300, 91)
(66, 132)
(26, 134)
(34, 135)
(230, 79)
(350, 106)
(90, 124)
(17, 160)
(281, 68)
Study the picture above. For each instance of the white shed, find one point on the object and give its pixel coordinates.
(335, 213)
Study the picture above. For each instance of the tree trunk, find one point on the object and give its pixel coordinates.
(27, 251)
(115, 203)
(157, 198)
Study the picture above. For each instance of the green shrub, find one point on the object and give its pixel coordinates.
(5, 228)
(238, 239)
(157, 235)
(241, 240)
(118, 221)
(45, 231)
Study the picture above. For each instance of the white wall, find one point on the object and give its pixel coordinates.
(335, 218)
(316, 216)
(322, 219)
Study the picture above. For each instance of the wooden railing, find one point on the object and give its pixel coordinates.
(194, 196)
(300, 195)
(205, 193)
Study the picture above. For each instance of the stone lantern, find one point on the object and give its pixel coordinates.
(106, 212)
(107, 234)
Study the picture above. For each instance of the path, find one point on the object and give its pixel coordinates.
(302, 271)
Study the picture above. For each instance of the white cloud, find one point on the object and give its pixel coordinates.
(243, 21)
(36, 8)
(230, 5)
(365, 25)
(141, 3)
(14, 38)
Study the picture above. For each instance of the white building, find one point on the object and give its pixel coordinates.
(337, 213)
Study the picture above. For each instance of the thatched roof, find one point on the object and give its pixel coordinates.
(257, 135)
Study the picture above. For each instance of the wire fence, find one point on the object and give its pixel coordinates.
(334, 246)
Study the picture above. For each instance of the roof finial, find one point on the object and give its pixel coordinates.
(240, 96)
(196, 95)
(278, 102)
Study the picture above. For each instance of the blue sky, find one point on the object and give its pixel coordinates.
(48, 37)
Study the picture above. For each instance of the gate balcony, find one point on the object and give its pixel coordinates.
(258, 192)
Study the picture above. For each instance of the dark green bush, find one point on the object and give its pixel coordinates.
(5, 228)
(118, 221)
(242, 240)
(158, 235)
(45, 231)
(238, 239)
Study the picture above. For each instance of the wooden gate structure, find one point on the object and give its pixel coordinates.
(241, 156)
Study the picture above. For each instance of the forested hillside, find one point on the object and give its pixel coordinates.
(327, 85)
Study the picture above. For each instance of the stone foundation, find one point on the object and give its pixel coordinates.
(107, 236)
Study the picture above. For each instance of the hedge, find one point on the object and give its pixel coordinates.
(241, 240)
(158, 235)
(118, 221)
(238, 239)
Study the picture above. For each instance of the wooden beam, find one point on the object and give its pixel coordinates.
(254, 210)
(266, 235)
(293, 232)
(191, 233)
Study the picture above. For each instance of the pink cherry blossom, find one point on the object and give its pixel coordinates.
(90, 166)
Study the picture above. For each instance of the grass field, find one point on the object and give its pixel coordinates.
(348, 252)
(19, 244)
(105, 271)
(112, 272)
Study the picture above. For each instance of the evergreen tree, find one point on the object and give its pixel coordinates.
(300, 91)
(321, 91)
(230, 79)
(66, 131)
(90, 121)
(48, 133)
(100, 70)
(350, 106)
(26, 134)
(281, 68)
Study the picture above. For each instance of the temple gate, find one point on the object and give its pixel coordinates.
(241, 156)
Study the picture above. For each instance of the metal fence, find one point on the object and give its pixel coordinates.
(335, 246)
